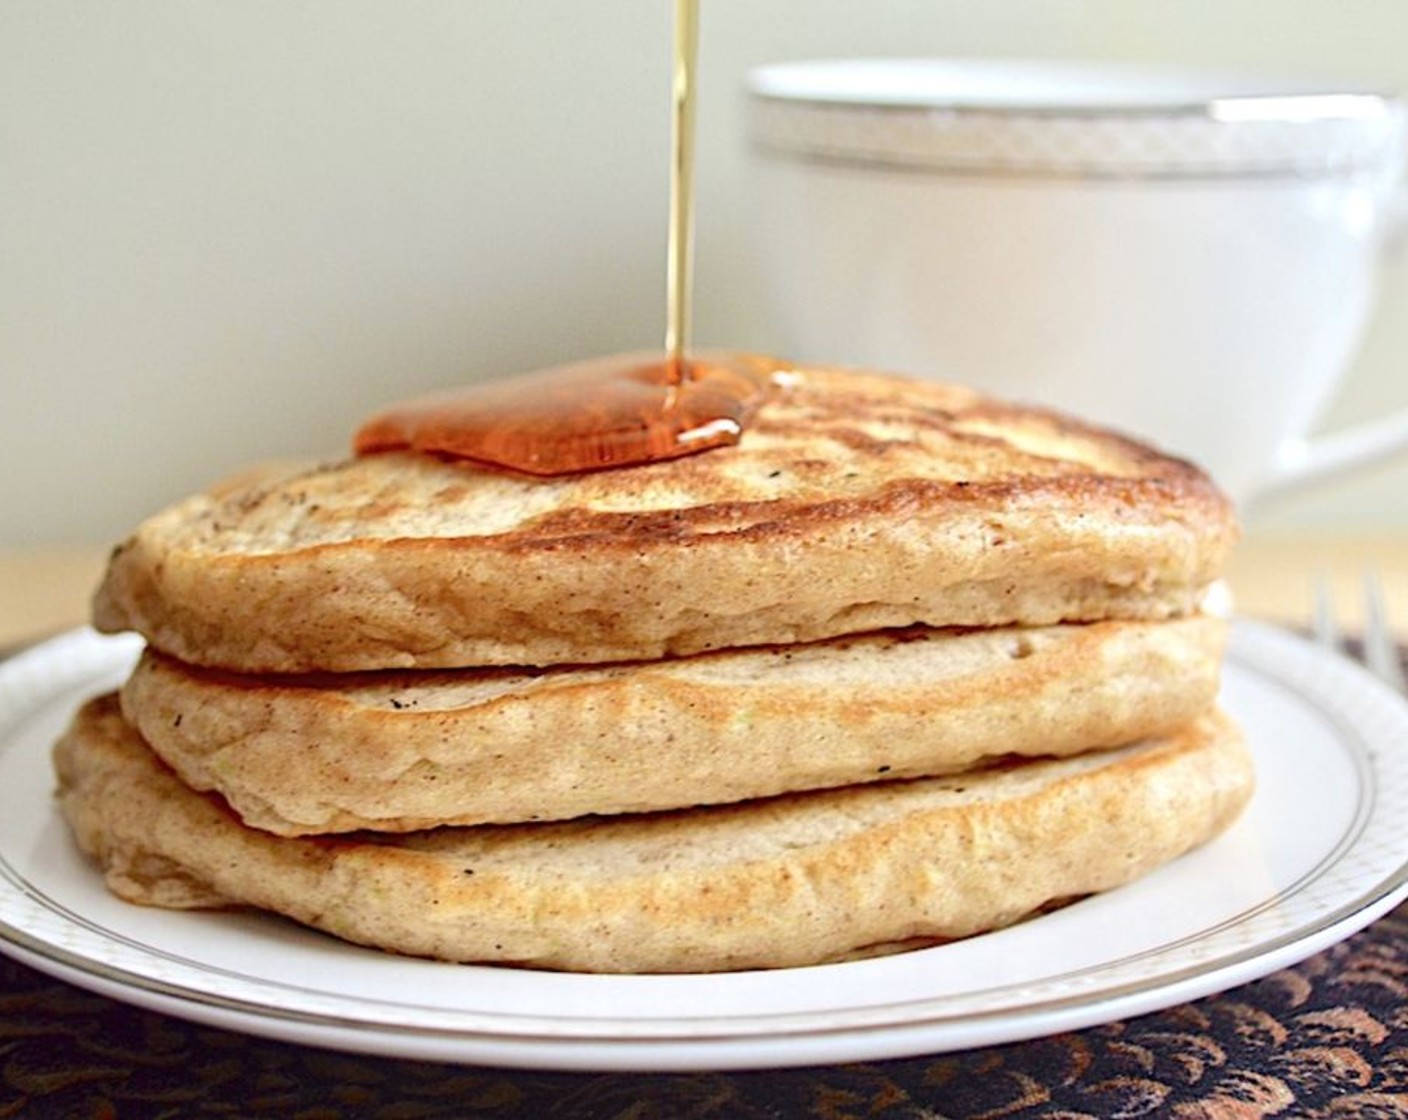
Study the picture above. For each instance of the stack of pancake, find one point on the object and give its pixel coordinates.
(904, 665)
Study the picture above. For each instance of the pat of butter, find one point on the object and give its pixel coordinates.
(1217, 600)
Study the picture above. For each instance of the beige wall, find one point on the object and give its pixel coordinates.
(229, 228)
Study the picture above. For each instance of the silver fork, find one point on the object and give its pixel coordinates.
(1380, 648)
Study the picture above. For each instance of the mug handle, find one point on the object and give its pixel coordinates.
(1319, 457)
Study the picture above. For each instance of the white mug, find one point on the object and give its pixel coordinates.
(1187, 257)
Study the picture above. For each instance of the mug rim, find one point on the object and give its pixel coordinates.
(843, 111)
(1078, 88)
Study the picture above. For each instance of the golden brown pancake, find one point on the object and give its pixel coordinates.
(853, 502)
(787, 881)
(412, 749)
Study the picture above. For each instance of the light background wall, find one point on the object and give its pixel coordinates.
(230, 228)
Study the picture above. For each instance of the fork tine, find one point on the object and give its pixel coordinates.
(1380, 646)
(1323, 627)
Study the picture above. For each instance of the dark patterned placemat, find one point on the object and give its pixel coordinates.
(1326, 1038)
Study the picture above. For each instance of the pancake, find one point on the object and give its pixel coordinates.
(788, 881)
(853, 502)
(407, 750)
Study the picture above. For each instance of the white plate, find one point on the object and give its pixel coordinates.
(1320, 853)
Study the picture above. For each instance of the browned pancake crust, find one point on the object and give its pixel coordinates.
(405, 750)
(789, 881)
(854, 502)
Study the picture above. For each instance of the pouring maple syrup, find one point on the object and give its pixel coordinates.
(619, 411)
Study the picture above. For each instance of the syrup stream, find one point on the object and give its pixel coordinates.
(622, 410)
(681, 243)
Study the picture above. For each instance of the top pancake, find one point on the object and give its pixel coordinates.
(854, 501)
